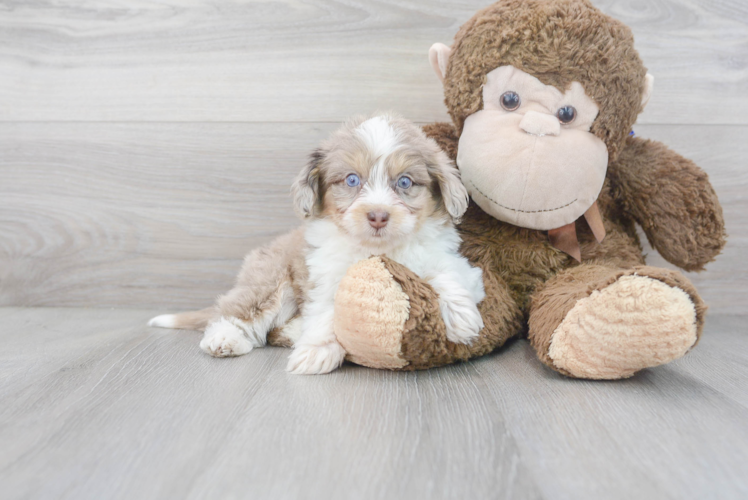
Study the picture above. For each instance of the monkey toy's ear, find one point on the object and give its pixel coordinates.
(647, 92)
(439, 57)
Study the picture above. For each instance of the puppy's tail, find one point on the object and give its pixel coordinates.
(192, 320)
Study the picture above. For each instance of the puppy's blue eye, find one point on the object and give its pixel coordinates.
(404, 182)
(352, 180)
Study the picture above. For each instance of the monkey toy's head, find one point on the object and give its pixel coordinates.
(543, 94)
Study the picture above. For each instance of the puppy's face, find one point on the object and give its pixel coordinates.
(379, 180)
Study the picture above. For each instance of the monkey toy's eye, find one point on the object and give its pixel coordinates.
(566, 114)
(352, 180)
(404, 182)
(510, 101)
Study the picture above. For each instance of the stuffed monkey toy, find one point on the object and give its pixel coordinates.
(543, 95)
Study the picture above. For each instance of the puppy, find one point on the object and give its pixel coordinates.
(377, 186)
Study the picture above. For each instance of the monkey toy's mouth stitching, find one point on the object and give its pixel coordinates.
(518, 210)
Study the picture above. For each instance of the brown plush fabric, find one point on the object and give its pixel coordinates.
(671, 198)
(526, 262)
(530, 284)
(445, 136)
(558, 42)
(553, 301)
(425, 343)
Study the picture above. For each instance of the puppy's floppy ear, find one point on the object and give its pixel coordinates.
(306, 186)
(454, 194)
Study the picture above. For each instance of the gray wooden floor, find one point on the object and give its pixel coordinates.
(94, 405)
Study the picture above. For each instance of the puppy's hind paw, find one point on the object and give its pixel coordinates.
(315, 360)
(223, 339)
(462, 319)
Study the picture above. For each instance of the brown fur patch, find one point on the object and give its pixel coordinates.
(275, 338)
(267, 275)
(194, 320)
(424, 197)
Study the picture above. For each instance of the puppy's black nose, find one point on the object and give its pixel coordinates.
(378, 220)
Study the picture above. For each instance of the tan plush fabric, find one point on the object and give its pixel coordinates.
(439, 58)
(637, 322)
(590, 348)
(370, 313)
(522, 166)
(595, 221)
(538, 99)
(528, 180)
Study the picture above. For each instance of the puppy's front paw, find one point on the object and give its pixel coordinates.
(315, 360)
(462, 319)
(223, 339)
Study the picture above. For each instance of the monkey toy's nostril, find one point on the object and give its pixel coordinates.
(377, 219)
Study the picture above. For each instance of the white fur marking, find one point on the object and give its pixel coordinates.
(224, 338)
(382, 141)
(458, 306)
(255, 331)
(163, 321)
(292, 330)
(315, 360)
(380, 137)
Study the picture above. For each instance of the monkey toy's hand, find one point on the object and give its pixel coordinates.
(673, 201)
(388, 317)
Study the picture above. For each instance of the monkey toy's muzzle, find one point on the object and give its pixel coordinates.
(527, 174)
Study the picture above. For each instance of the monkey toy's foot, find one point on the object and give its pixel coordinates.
(387, 317)
(613, 323)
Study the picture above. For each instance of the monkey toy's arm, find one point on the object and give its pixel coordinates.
(673, 201)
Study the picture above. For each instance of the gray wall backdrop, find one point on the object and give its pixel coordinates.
(146, 146)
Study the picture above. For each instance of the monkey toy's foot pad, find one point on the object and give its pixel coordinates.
(636, 322)
(371, 309)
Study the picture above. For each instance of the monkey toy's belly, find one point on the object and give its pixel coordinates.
(525, 259)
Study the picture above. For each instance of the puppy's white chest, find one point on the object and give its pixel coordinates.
(332, 253)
